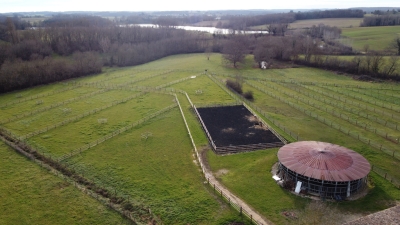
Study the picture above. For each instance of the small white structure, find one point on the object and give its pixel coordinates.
(264, 65)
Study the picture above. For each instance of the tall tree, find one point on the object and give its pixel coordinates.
(235, 50)
(11, 31)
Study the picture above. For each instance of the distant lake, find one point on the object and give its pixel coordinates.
(205, 29)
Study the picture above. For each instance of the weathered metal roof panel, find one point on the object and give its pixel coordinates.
(324, 161)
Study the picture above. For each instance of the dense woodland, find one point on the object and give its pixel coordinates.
(70, 47)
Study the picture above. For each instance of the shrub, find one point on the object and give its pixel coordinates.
(248, 95)
(235, 85)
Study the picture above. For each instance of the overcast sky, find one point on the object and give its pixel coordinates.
(175, 5)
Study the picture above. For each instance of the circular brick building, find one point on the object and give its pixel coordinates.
(322, 169)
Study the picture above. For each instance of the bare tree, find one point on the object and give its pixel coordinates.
(235, 50)
(11, 31)
(277, 29)
(105, 44)
(396, 44)
(366, 48)
(208, 52)
(391, 66)
(376, 63)
(357, 60)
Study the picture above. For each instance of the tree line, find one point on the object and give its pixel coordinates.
(310, 50)
(243, 22)
(74, 46)
(381, 20)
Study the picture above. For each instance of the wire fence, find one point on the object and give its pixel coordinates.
(32, 97)
(325, 84)
(343, 130)
(391, 106)
(217, 104)
(114, 133)
(363, 108)
(33, 112)
(78, 117)
(330, 123)
(240, 98)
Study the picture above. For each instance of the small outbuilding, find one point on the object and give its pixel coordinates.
(322, 169)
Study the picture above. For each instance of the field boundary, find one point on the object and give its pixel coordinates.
(37, 96)
(376, 169)
(232, 200)
(78, 117)
(330, 123)
(106, 197)
(244, 101)
(34, 112)
(114, 133)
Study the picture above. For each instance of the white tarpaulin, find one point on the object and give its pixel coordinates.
(298, 186)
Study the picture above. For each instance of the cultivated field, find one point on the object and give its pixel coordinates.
(123, 130)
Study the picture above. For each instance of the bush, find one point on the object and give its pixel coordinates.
(248, 95)
(235, 85)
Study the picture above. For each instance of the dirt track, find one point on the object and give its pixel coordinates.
(257, 217)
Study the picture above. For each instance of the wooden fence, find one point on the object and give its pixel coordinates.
(222, 194)
(246, 148)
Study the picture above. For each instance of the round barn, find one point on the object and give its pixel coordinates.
(322, 169)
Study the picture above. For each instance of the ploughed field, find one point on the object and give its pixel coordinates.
(123, 130)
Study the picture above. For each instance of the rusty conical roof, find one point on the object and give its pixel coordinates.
(324, 161)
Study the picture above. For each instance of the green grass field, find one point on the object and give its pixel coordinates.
(159, 170)
(378, 38)
(31, 195)
(333, 22)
